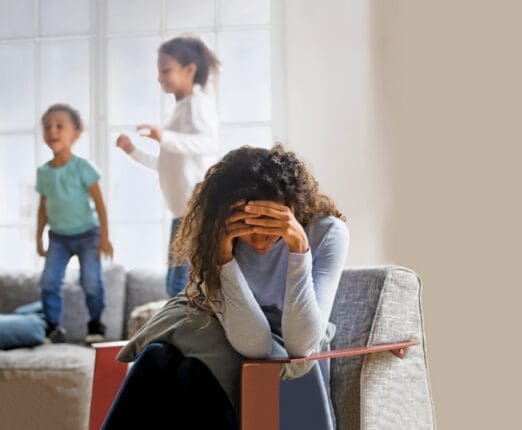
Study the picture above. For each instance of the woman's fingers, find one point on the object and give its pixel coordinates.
(238, 229)
(280, 212)
(268, 204)
(238, 216)
(238, 203)
(264, 222)
(269, 231)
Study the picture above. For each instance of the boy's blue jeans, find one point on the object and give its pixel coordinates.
(177, 276)
(61, 249)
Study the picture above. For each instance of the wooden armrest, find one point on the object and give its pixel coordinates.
(399, 349)
(108, 376)
(260, 382)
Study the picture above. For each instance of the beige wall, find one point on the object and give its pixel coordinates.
(410, 113)
(329, 99)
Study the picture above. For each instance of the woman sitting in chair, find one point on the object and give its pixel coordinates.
(266, 252)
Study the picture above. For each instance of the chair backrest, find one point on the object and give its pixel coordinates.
(353, 313)
(374, 306)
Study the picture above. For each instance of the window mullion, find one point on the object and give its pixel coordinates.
(99, 91)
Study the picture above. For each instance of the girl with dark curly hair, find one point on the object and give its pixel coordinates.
(189, 139)
(266, 251)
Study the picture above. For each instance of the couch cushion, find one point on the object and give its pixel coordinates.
(143, 286)
(47, 387)
(17, 288)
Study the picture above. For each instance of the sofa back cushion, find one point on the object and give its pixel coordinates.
(18, 288)
(143, 286)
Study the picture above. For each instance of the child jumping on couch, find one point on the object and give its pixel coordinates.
(68, 185)
(189, 140)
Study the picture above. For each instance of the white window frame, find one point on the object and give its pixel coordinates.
(98, 127)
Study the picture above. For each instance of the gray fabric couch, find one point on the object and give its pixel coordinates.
(49, 386)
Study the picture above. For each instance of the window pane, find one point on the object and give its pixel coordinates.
(133, 89)
(65, 74)
(17, 179)
(64, 17)
(185, 14)
(138, 245)
(134, 190)
(17, 86)
(232, 138)
(245, 78)
(133, 15)
(237, 12)
(16, 18)
(81, 148)
(17, 248)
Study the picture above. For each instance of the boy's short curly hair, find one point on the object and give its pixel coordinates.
(62, 107)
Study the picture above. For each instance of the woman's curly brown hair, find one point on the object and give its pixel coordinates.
(247, 174)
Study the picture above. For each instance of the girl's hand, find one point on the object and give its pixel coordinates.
(234, 227)
(125, 143)
(40, 249)
(154, 132)
(276, 219)
(105, 248)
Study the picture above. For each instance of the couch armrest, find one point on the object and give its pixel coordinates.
(109, 374)
(260, 382)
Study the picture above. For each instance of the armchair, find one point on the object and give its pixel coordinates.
(376, 310)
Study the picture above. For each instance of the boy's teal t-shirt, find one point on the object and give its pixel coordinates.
(69, 207)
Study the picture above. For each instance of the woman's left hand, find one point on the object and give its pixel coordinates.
(154, 132)
(276, 219)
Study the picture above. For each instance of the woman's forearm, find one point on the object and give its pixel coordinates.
(310, 291)
(245, 324)
(303, 325)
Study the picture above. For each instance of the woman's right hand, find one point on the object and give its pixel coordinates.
(234, 227)
(125, 143)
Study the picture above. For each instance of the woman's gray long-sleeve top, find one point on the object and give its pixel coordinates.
(302, 286)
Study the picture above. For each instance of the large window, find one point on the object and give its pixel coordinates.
(100, 56)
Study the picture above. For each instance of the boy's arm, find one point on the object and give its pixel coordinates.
(40, 225)
(105, 246)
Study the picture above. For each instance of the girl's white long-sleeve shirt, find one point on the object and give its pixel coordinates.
(188, 147)
(302, 286)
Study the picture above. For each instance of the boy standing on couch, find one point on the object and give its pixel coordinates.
(68, 185)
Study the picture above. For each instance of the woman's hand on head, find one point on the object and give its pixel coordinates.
(150, 131)
(275, 219)
(125, 143)
(234, 227)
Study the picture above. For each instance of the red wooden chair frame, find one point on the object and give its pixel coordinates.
(259, 380)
